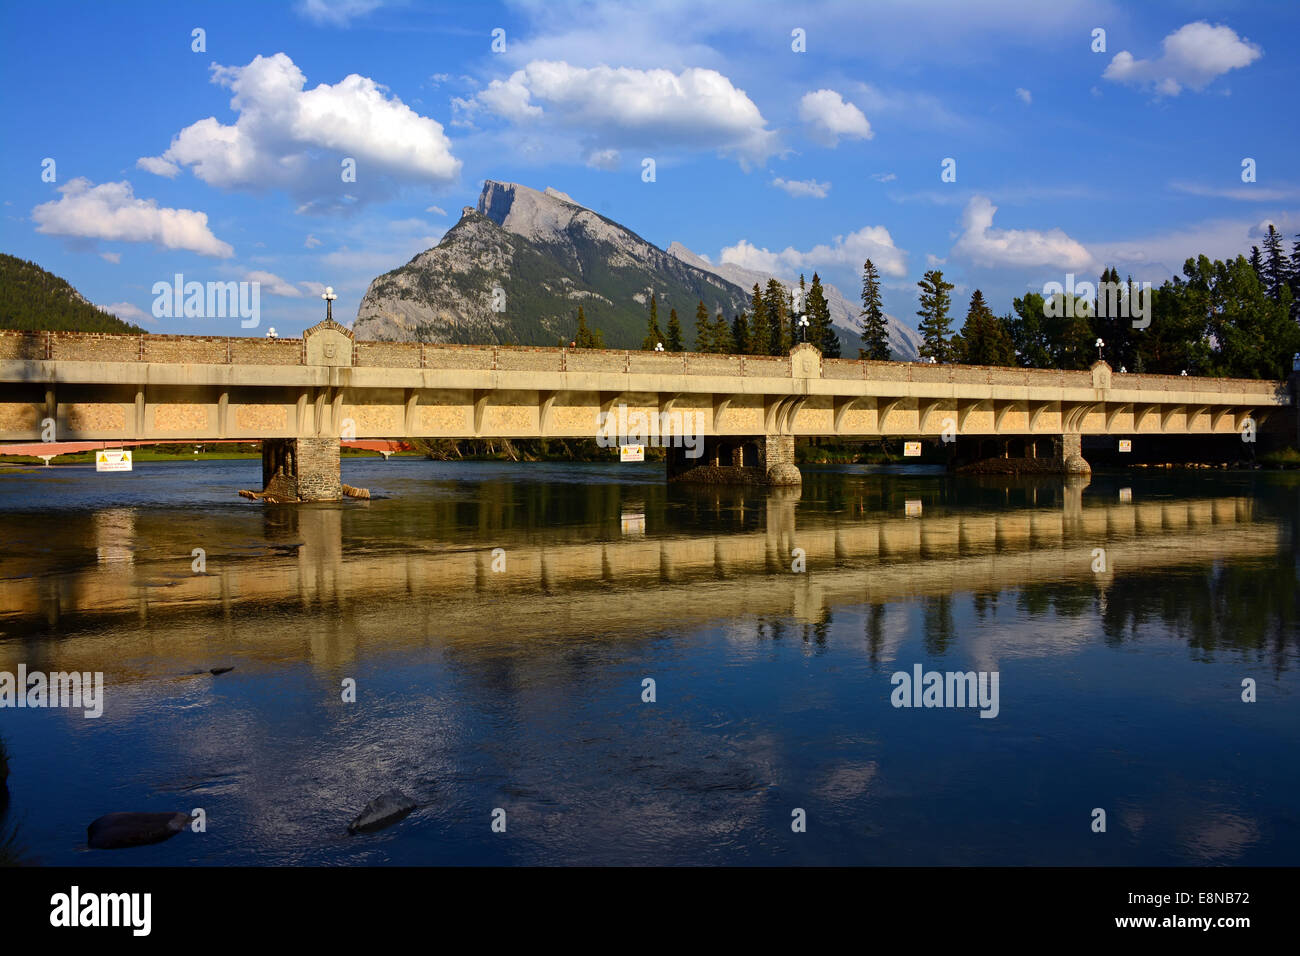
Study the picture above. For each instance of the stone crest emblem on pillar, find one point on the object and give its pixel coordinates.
(328, 343)
(1100, 375)
(805, 361)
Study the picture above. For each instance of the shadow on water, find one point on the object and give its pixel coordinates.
(11, 853)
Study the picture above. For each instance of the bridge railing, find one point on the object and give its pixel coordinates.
(248, 350)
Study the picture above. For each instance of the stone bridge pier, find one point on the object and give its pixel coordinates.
(738, 459)
(303, 468)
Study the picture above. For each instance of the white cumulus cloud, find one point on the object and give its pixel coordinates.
(801, 188)
(612, 108)
(111, 211)
(1024, 95)
(869, 242)
(1194, 55)
(829, 116)
(272, 284)
(985, 246)
(296, 139)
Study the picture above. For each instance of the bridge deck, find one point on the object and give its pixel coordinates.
(165, 387)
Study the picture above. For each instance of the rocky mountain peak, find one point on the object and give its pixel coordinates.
(537, 215)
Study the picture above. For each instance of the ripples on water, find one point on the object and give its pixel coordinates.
(522, 689)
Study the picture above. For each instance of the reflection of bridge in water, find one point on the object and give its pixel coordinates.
(312, 598)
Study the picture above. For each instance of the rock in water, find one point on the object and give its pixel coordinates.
(385, 810)
(116, 831)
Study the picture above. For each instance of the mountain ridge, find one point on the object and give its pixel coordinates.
(517, 265)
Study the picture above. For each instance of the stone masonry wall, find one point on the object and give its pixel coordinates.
(317, 463)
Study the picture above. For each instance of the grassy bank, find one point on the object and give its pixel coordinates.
(175, 453)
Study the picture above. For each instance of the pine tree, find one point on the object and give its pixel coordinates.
(587, 337)
(984, 339)
(674, 343)
(703, 329)
(740, 334)
(936, 324)
(778, 318)
(821, 332)
(874, 327)
(582, 337)
(1277, 271)
(722, 340)
(653, 336)
(760, 330)
(1295, 279)
(1257, 262)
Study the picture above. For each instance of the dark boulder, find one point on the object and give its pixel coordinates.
(116, 831)
(385, 810)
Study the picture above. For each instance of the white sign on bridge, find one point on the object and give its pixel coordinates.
(631, 452)
(911, 449)
(112, 459)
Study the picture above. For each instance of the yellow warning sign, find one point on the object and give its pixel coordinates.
(113, 459)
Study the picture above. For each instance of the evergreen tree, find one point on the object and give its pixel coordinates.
(874, 327)
(760, 330)
(983, 339)
(723, 343)
(703, 329)
(586, 337)
(821, 332)
(674, 343)
(1295, 279)
(1112, 320)
(652, 336)
(1277, 271)
(936, 324)
(1257, 261)
(582, 339)
(778, 318)
(740, 334)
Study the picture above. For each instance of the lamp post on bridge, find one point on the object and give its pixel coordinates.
(329, 297)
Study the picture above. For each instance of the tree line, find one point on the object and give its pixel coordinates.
(1235, 319)
(776, 321)
(1238, 319)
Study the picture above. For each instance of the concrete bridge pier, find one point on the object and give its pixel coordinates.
(738, 460)
(1070, 454)
(303, 468)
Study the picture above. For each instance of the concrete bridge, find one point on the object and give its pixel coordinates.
(301, 397)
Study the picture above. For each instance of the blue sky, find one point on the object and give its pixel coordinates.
(226, 163)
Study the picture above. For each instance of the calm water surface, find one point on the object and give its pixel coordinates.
(521, 689)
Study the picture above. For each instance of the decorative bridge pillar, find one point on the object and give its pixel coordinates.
(1070, 455)
(778, 460)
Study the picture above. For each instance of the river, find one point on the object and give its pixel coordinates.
(617, 671)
